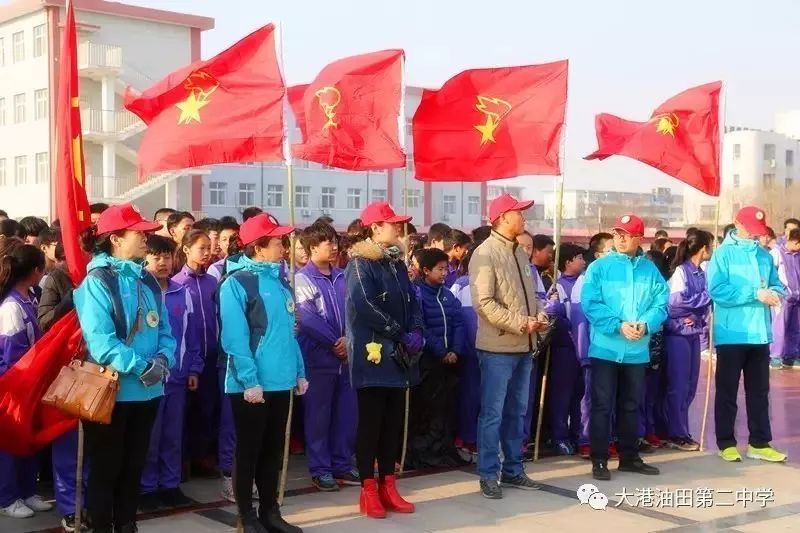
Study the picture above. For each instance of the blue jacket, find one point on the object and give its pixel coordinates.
(94, 306)
(688, 298)
(381, 307)
(19, 329)
(616, 289)
(258, 328)
(320, 315)
(737, 270)
(441, 316)
(182, 320)
(202, 288)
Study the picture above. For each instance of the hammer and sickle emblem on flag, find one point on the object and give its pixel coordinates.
(329, 97)
(200, 86)
(666, 123)
(494, 109)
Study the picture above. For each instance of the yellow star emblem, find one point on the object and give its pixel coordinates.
(190, 109)
(494, 109)
(666, 124)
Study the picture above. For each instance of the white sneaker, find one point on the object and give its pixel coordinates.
(227, 489)
(37, 504)
(18, 509)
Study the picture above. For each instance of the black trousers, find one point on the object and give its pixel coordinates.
(620, 384)
(117, 453)
(381, 414)
(260, 431)
(732, 361)
(431, 428)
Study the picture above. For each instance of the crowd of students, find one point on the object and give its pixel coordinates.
(211, 343)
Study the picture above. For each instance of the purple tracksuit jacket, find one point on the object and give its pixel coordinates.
(329, 406)
(469, 403)
(786, 322)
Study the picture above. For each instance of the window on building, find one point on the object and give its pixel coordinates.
(413, 198)
(410, 163)
(302, 196)
(353, 198)
(789, 158)
(2, 111)
(707, 212)
(473, 205)
(42, 167)
(216, 192)
(409, 128)
(736, 181)
(247, 194)
(769, 152)
(2, 52)
(328, 198)
(378, 195)
(18, 46)
(21, 170)
(449, 205)
(38, 41)
(19, 108)
(768, 180)
(789, 183)
(2, 172)
(40, 103)
(274, 196)
(737, 151)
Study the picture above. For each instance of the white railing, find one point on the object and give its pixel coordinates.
(105, 122)
(108, 187)
(96, 55)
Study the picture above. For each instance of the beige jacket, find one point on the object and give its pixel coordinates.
(503, 296)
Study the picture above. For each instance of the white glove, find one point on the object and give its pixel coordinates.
(254, 394)
(302, 386)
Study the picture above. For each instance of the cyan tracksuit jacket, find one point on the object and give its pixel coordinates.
(94, 306)
(736, 272)
(618, 288)
(258, 329)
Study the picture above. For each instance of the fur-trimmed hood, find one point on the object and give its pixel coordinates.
(368, 249)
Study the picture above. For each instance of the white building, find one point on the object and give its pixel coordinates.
(119, 45)
(758, 168)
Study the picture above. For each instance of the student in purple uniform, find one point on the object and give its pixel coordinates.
(330, 406)
(162, 470)
(687, 309)
(785, 347)
(21, 268)
(228, 233)
(194, 253)
(456, 245)
(565, 388)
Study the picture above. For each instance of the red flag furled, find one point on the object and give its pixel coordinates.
(352, 113)
(226, 109)
(487, 124)
(680, 139)
(295, 95)
(27, 425)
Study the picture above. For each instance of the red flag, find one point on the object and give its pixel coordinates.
(226, 109)
(28, 424)
(492, 123)
(352, 113)
(295, 95)
(680, 139)
(72, 207)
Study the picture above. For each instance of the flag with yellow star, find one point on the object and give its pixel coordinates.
(227, 109)
(492, 123)
(680, 139)
(350, 115)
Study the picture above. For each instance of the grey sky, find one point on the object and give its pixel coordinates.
(626, 56)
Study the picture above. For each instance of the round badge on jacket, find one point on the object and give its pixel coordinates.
(152, 319)
(290, 305)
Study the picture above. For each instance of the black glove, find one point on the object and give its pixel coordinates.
(155, 371)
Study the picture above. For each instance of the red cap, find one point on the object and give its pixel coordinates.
(630, 224)
(754, 220)
(505, 203)
(263, 225)
(124, 217)
(381, 212)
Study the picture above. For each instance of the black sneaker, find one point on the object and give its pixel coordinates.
(149, 502)
(273, 522)
(491, 489)
(637, 466)
(325, 483)
(645, 447)
(600, 471)
(350, 478)
(175, 498)
(521, 481)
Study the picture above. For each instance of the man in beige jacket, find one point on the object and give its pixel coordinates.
(509, 319)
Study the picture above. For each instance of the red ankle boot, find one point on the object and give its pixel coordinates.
(370, 502)
(390, 498)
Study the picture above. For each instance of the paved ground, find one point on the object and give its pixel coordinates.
(696, 492)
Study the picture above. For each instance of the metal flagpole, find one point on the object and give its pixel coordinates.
(401, 134)
(290, 184)
(711, 349)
